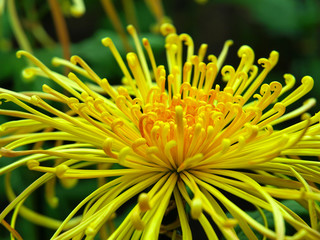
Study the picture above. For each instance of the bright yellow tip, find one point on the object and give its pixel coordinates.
(78, 8)
(196, 208)
(28, 73)
(20, 53)
(131, 29)
(229, 42)
(167, 28)
(106, 41)
(143, 201)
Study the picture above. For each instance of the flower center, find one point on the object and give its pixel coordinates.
(178, 126)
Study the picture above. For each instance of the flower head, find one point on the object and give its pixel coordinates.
(173, 137)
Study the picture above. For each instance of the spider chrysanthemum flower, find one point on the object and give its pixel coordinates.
(174, 138)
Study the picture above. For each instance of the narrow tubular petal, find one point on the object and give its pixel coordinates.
(186, 232)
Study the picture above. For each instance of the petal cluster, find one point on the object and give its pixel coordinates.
(172, 137)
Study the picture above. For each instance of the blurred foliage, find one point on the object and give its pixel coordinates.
(291, 27)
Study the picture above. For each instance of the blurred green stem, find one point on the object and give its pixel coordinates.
(130, 13)
(17, 28)
(61, 28)
(35, 26)
(41, 35)
(114, 18)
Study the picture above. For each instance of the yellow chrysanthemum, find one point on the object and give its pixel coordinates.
(173, 137)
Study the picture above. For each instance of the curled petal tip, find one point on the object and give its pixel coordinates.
(167, 28)
(20, 53)
(274, 57)
(289, 79)
(71, 75)
(308, 81)
(106, 41)
(28, 73)
(31, 164)
(61, 170)
(229, 42)
(35, 99)
(73, 59)
(196, 208)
